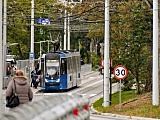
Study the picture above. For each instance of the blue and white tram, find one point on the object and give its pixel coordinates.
(61, 70)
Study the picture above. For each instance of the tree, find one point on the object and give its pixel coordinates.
(130, 37)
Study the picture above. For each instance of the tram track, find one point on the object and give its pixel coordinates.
(91, 87)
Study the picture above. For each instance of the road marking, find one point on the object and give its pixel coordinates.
(83, 94)
(92, 95)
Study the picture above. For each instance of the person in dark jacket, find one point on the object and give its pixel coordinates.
(32, 78)
(23, 89)
(35, 77)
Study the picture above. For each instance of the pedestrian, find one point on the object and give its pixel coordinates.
(23, 89)
(32, 78)
(36, 79)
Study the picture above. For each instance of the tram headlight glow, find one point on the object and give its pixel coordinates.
(46, 80)
(58, 80)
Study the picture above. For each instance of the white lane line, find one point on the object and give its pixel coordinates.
(92, 95)
(83, 94)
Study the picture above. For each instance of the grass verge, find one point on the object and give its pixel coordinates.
(132, 105)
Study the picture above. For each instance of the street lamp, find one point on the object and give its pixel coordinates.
(32, 32)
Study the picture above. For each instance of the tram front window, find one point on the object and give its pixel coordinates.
(51, 70)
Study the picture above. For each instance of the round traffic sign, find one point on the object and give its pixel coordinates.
(102, 63)
(120, 72)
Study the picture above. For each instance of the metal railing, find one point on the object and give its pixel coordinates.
(57, 107)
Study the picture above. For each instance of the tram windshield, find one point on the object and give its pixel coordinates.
(52, 67)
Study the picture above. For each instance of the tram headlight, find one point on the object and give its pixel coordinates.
(46, 80)
(58, 80)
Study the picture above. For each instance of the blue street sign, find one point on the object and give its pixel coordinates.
(43, 21)
(39, 21)
(31, 55)
(47, 21)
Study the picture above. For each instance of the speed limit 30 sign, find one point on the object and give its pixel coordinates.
(120, 72)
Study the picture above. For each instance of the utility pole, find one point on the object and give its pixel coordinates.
(4, 40)
(72, 2)
(32, 33)
(65, 27)
(68, 32)
(106, 101)
(1, 60)
(155, 89)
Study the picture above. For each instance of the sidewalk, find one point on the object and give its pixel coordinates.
(35, 90)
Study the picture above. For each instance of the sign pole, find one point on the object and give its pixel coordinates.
(120, 96)
(120, 72)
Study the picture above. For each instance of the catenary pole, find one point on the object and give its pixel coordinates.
(68, 32)
(65, 27)
(155, 89)
(106, 56)
(1, 59)
(32, 32)
(4, 41)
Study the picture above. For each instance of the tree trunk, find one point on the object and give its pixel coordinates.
(137, 83)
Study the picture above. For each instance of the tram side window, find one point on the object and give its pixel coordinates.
(63, 66)
(69, 65)
(78, 63)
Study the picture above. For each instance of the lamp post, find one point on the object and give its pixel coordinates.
(32, 32)
(4, 41)
(1, 62)
(106, 56)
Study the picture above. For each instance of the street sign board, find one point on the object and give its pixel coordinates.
(43, 21)
(120, 72)
(102, 63)
(31, 55)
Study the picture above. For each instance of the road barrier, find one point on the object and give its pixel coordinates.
(57, 107)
